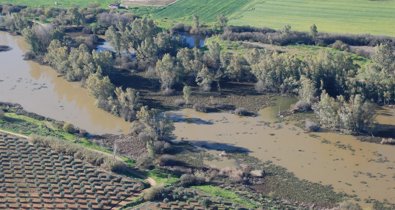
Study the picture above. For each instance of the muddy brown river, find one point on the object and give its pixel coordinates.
(39, 89)
(349, 165)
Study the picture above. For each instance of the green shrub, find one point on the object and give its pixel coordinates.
(69, 128)
(154, 193)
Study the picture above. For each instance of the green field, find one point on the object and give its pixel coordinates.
(338, 16)
(59, 3)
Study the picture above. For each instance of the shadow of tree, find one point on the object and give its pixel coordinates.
(229, 148)
(190, 120)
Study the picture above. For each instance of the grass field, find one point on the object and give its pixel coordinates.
(338, 16)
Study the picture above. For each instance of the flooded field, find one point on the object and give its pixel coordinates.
(349, 165)
(39, 89)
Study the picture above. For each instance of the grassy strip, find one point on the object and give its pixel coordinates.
(226, 194)
(30, 126)
(96, 158)
(162, 178)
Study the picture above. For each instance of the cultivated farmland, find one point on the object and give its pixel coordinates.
(337, 16)
(59, 3)
(35, 177)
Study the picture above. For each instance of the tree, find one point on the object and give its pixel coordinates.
(287, 29)
(213, 55)
(147, 53)
(384, 57)
(16, 22)
(186, 93)
(75, 16)
(167, 72)
(103, 59)
(313, 31)
(222, 22)
(126, 103)
(195, 25)
(153, 125)
(205, 78)
(356, 115)
(101, 88)
(40, 36)
(82, 64)
(57, 56)
(307, 90)
(352, 116)
(141, 29)
(114, 38)
(326, 110)
(332, 71)
(235, 69)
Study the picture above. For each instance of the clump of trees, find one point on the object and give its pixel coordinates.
(352, 116)
(15, 22)
(40, 36)
(152, 126)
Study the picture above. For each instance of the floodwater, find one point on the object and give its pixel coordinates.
(193, 40)
(39, 89)
(349, 165)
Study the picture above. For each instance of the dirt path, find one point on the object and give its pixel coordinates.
(151, 181)
(14, 134)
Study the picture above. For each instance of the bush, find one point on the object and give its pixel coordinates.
(170, 160)
(161, 147)
(69, 128)
(311, 126)
(200, 107)
(347, 205)
(301, 106)
(187, 180)
(206, 202)
(154, 193)
(242, 112)
(339, 45)
(1, 114)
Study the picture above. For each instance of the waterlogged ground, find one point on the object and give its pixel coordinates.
(349, 165)
(39, 89)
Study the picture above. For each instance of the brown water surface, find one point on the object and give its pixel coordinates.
(349, 165)
(40, 90)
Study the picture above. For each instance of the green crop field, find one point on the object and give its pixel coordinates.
(338, 16)
(59, 3)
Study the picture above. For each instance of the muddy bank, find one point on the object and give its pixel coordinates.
(347, 164)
